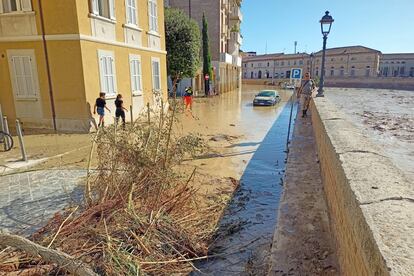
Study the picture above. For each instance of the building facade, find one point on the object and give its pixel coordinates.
(224, 18)
(354, 61)
(57, 56)
(397, 65)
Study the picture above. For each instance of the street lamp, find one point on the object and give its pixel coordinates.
(326, 24)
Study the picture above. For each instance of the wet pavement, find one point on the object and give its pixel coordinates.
(244, 238)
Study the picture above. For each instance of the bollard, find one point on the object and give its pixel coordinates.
(20, 135)
(1, 121)
(5, 129)
(131, 114)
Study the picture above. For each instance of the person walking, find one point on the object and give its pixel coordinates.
(120, 110)
(99, 107)
(188, 98)
(305, 93)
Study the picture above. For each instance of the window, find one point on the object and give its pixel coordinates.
(294, 63)
(136, 74)
(367, 71)
(24, 84)
(104, 8)
(107, 72)
(353, 71)
(268, 64)
(332, 71)
(252, 65)
(245, 65)
(317, 71)
(131, 16)
(402, 71)
(301, 62)
(412, 72)
(156, 77)
(251, 75)
(282, 63)
(153, 15)
(332, 59)
(342, 71)
(7, 6)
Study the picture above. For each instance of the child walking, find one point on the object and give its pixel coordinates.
(188, 98)
(120, 110)
(100, 106)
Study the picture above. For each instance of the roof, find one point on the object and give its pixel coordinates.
(261, 57)
(348, 50)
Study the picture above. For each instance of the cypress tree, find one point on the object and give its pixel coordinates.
(206, 53)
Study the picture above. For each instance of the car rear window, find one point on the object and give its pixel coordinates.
(266, 93)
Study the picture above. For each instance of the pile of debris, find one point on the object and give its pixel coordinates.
(140, 215)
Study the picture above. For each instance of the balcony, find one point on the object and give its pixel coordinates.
(236, 14)
(224, 57)
(237, 61)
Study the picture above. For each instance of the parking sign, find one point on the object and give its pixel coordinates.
(296, 76)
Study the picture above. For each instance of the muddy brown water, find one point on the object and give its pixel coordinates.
(243, 241)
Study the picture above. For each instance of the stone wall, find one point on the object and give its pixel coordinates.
(369, 200)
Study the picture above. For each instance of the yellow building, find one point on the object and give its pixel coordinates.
(57, 55)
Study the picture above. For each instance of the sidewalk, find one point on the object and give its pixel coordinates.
(46, 151)
(302, 242)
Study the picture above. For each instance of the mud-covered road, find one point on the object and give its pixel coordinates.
(251, 147)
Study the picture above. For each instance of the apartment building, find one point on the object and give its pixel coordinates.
(57, 56)
(397, 65)
(224, 18)
(353, 61)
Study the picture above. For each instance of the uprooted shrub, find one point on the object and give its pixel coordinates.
(141, 215)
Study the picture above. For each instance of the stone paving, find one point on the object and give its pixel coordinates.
(29, 199)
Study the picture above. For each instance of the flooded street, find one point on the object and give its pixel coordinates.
(251, 146)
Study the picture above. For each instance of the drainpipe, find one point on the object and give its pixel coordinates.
(49, 78)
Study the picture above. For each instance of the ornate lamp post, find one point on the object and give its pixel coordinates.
(326, 24)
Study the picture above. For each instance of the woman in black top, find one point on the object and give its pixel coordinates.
(120, 109)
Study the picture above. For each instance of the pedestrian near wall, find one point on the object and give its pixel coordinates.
(120, 110)
(100, 106)
(305, 93)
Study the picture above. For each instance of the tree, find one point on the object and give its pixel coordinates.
(206, 54)
(183, 43)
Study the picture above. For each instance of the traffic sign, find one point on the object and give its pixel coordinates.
(296, 74)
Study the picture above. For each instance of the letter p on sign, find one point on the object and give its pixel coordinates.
(296, 74)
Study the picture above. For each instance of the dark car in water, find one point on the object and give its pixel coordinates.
(266, 97)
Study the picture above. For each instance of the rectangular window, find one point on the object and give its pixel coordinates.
(7, 6)
(153, 15)
(24, 85)
(156, 77)
(104, 8)
(107, 72)
(131, 7)
(136, 74)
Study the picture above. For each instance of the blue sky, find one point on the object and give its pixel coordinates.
(386, 25)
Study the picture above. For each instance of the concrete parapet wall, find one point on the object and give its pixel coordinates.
(369, 200)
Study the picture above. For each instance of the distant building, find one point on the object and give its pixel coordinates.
(353, 61)
(224, 18)
(397, 65)
(249, 54)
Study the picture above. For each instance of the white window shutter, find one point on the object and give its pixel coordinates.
(26, 5)
(95, 7)
(102, 70)
(115, 89)
(112, 9)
